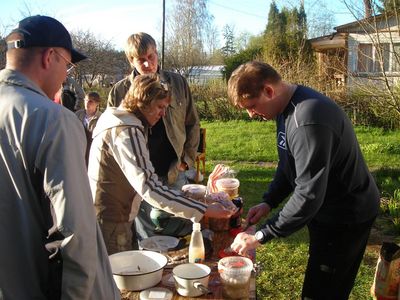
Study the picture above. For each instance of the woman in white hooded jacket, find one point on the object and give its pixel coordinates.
(120, 171)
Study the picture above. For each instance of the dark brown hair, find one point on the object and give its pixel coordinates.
(94, 96)
(247, 81)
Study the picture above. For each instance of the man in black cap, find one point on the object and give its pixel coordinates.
(51, 245)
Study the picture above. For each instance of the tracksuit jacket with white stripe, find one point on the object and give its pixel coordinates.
(121, 174)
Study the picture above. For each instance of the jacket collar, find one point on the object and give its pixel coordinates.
(17, 78)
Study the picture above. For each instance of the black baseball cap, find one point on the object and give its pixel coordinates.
(43, 31)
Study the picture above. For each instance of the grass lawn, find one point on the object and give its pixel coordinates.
(249, 147)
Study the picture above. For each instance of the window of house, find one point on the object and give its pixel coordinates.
(382, 57)
(396, 58)
(365, 59)
(378, 59)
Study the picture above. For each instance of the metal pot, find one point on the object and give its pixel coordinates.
(137, 270)
(191, 280)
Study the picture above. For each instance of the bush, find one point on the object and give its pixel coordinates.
(392, 208)
(371, 108)
(212, 102)
(234, 61)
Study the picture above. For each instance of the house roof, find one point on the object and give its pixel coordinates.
(383, 20)
(334, 40)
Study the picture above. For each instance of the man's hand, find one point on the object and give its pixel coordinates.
(183, 167)
(257, 212)
(244, 242)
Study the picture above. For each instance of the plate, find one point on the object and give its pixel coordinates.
(159, 242)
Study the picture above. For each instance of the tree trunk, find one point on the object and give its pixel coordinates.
(368, 8)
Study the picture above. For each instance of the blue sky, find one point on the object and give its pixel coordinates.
(116, 20)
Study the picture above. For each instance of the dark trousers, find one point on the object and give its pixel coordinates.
(335, 254)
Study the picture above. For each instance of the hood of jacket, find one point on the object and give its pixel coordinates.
(115, 117)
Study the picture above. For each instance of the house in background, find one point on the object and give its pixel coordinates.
(203, 74)
(362, 52)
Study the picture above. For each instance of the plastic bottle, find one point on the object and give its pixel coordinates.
(196, 246)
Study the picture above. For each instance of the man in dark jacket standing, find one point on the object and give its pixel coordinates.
(323, 171)
(174, 140)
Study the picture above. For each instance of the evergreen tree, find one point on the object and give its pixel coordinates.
(274, 33)
(228, 49)
(286, 35)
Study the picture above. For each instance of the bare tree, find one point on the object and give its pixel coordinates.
(378, 59)
(104, 65)
(320, 21)
(188, 27)
(242, 40)
(211, 37)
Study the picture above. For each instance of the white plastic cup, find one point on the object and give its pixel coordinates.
(235, 272)
(229, 186)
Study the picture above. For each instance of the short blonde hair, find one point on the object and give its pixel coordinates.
(247, 81)
(138, 44)
(144, 90)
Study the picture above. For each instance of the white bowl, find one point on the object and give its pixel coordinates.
(138, 269)
(191, 280)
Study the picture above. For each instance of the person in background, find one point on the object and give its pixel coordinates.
(89, 116)
(173, 141)
(71, 85)
(120, 171)
(71, 94)
(322, 171)
(51, 245)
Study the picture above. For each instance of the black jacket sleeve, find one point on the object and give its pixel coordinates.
(312, 147)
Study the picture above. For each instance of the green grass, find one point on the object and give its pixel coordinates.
(241, 141)
(249, 147)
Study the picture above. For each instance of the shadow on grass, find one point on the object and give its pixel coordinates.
(387, 179)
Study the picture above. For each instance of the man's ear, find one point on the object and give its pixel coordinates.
(47, 56)
(268, 90)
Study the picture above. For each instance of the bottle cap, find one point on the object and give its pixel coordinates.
(196, 226)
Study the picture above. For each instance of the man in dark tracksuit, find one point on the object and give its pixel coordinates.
(323, 171)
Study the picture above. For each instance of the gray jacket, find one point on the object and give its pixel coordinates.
(44, 187)
(181, 120)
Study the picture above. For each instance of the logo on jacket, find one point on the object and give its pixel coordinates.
(282, 140)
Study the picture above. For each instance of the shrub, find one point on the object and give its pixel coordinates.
(371, 107)
(212, 102)
(393, 207)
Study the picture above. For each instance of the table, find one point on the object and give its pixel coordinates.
(221, 240)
